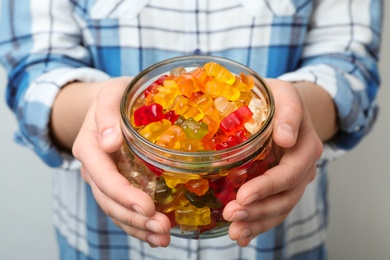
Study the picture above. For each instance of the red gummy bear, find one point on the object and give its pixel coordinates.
(235, 121)
(157, 82)
(223, 190)
(171, 116)
(148, 114)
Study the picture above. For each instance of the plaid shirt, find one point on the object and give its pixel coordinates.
(44, 44)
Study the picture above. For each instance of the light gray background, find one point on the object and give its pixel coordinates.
(359, 190)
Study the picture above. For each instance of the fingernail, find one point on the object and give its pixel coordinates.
(138, 209)
(239, 215)
(152, 246)
(286, 131)
(245, 233)
(154, 226)
(153, 239)
(250, 199)
(109, 136)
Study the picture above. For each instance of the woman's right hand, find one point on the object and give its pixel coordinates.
(95, 146)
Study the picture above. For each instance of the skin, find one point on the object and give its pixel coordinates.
(305, 117)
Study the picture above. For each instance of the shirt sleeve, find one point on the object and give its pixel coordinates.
(41, 52)
(341, 55)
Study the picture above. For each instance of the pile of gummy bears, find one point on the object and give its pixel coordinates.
(206, 108)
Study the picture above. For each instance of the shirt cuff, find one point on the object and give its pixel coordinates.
(322, 75)
(34, 112)
(325, 77)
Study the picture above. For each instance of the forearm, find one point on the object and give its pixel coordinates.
(321, 108)
(69, 109)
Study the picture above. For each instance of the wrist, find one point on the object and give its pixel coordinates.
(69, 110)
(321, 108)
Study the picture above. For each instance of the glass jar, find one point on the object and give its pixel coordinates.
(144, 163)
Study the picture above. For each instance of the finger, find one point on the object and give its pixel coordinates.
(244, 232)
(153, 239)
(288, 112)
(85, 175)
(266, 214)
(153, 230)
(105, 174)
(282, 177)
(292, 167)
(116, 187)
(158, 223)
(107, 115)
(269, 207)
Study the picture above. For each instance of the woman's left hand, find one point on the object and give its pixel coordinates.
(265, 201)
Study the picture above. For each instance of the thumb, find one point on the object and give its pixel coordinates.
(110, 139)
(288, 112)
(107, 114)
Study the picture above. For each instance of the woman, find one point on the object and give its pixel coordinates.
(66, 61)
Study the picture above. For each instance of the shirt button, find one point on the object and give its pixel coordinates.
(197, 52)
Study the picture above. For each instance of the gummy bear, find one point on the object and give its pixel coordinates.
(171, 137)
(192, 129)
(195, 95)
(158, 82)
(172, 179)
(155, 129)
(223, 190)
(212, 121)
(236, 120)
(258, 167)
(258, 109)
(171, 116)
(244, 82)
(244, 99)
(205, 103)
(185, 85)
(206, 200)
(185, 107)
(166, 93)
(219, 73)
(237, 176)
(192, 216)
(177, 71)
(224, 106)
(226, 142)
(199, 187)
(220, 89)
(148, 114)
(191, 145)
(200, 77)
(136, 172)
(163, 194)
(168, 199)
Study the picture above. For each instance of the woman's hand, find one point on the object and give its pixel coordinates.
(95, 146)
(265, 201)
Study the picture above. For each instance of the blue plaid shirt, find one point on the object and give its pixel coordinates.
(45, 44)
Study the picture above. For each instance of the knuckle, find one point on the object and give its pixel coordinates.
(319, 148)
(262, 213)
(84, 174)
(76, 151)
(312, 174)
(288, 207)
(293, 179)
(129, 219)
(116, 222)
(270, 188)
(295, 108)
(106, 207)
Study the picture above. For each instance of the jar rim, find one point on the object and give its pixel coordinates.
(196, 60)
